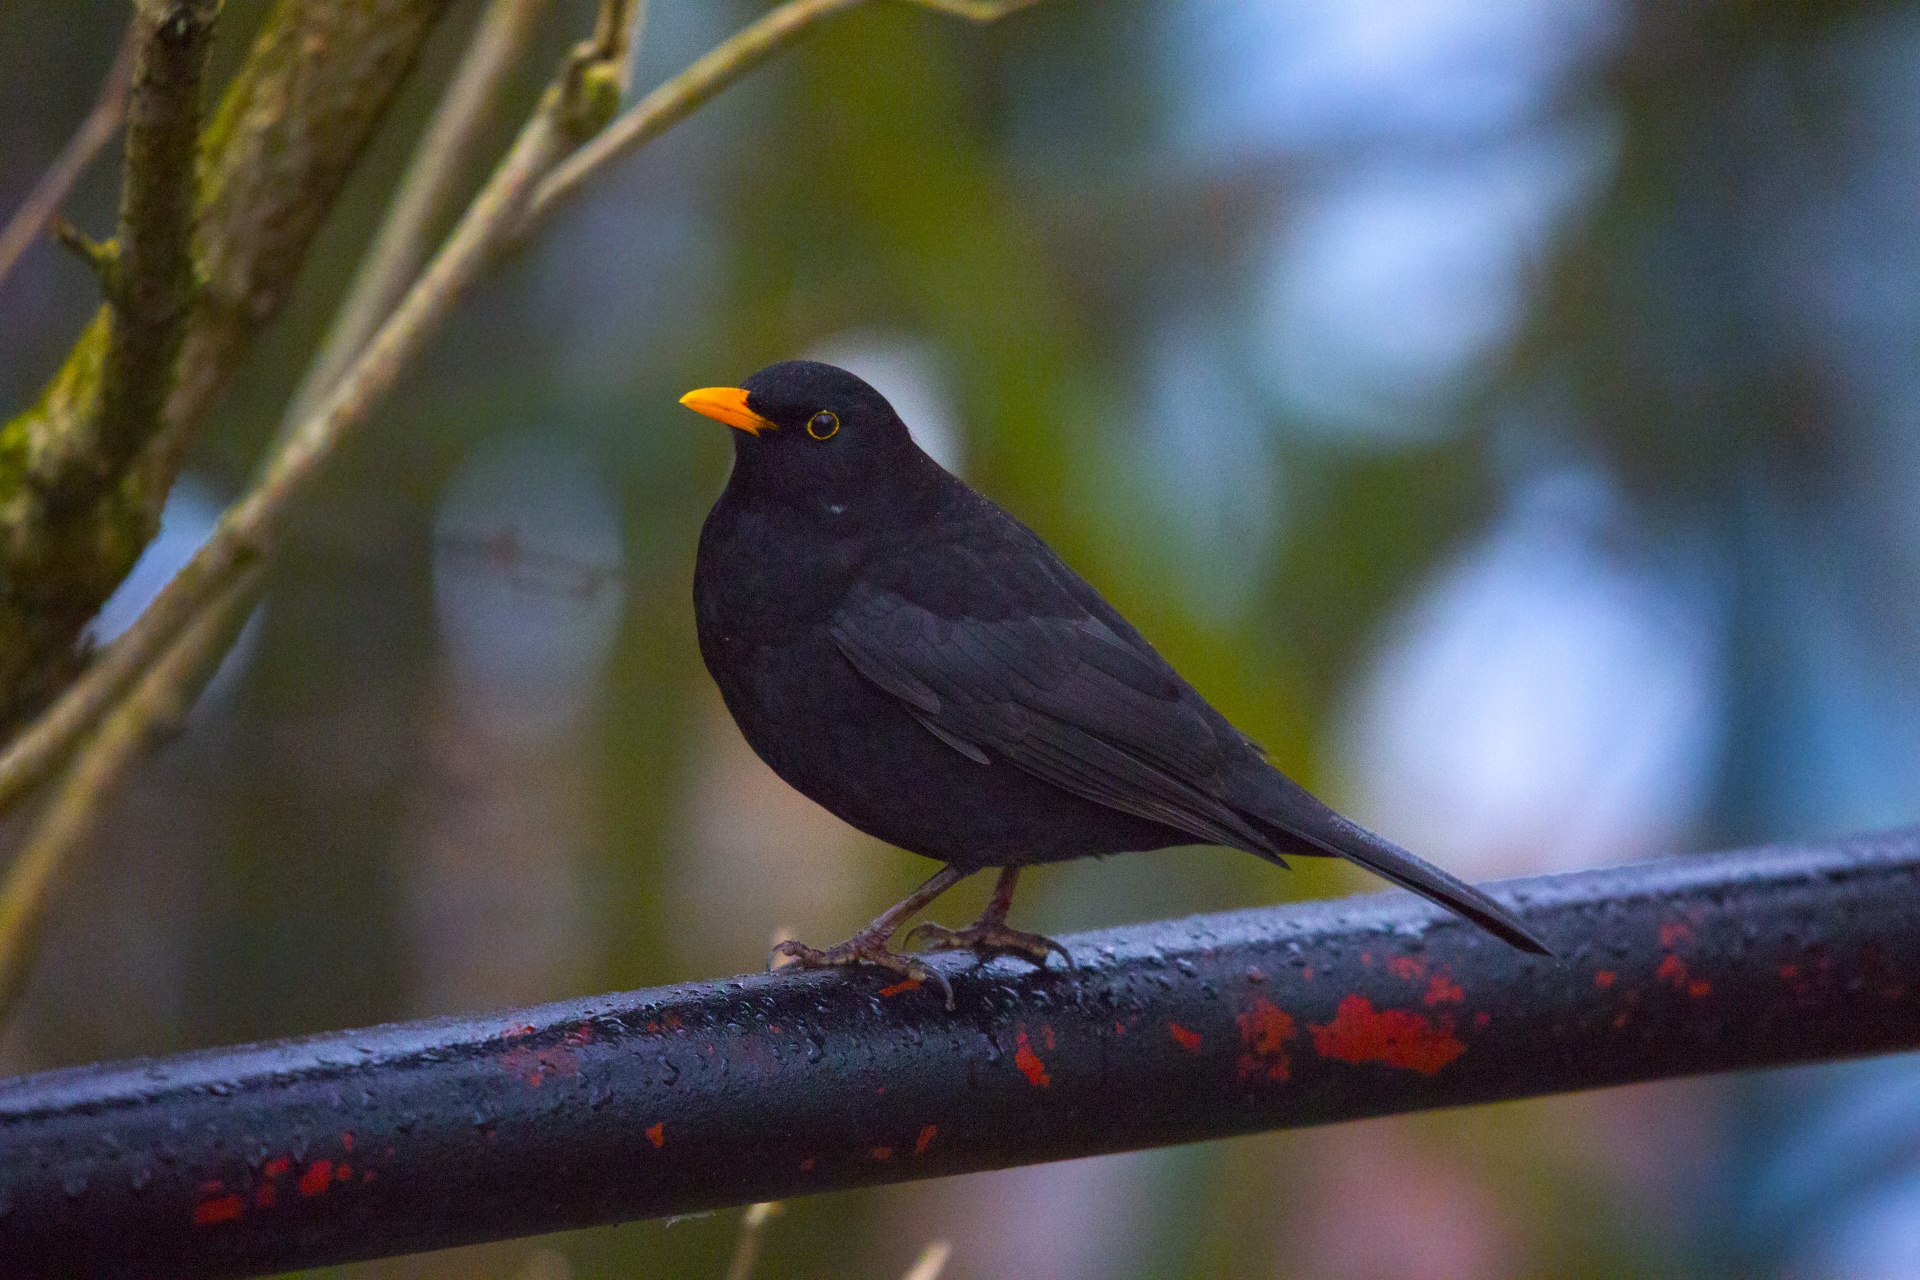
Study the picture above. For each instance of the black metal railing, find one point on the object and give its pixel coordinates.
(363, 1143)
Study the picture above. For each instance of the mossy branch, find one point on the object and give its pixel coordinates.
(150, 281)
(61, 461)
(85, 470)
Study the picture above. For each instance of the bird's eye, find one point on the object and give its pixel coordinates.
(823, 424)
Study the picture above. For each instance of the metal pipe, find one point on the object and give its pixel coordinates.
(419, 1136)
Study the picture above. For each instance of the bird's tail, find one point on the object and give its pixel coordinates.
(1312, 823)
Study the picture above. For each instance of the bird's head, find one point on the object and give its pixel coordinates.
(812, 433)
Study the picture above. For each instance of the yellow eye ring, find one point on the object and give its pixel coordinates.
(823, 424)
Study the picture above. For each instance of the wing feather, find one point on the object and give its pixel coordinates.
(1054, 691)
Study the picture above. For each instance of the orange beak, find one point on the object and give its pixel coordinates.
(728, 405)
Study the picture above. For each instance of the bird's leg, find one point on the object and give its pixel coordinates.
(869, 946)
(990, 935)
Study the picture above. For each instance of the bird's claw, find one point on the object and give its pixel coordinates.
(987, 939)
(864, 950)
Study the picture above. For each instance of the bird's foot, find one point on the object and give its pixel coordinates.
(865, 948)
(990, 938)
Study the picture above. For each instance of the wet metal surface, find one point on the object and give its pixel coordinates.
(363, 1143)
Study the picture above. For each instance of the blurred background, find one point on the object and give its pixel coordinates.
(1504, 411)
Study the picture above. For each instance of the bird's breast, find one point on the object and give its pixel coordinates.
(763, 590)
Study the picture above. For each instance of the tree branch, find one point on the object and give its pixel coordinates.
(43, 202)
(57, 466)
(199, 607)
(777, 1085)
(270, 164)
(574, 110)
(150, 287)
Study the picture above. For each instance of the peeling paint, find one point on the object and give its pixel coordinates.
(1188, 1040)
(1265, 1029)
(317, 1177)
(536, 1066)
(223, 1209)
(1359, 1033)
(1673, 971)
(1029, 1063)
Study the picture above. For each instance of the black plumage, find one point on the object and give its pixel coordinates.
(912, 657)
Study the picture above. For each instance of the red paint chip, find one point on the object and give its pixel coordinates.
(1359, 1033)
(316, 1178)
(1029, 1063)
(224, 1209)
(921, 1143)
(1188, 1040)
(1265, 1029)
(657, 1134)
(1604, 978)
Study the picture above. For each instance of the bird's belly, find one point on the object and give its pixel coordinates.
(857, 752)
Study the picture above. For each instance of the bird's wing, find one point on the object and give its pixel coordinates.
(1025, 672)
(1007, 653)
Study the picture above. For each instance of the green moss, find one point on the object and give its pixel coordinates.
(71, 398)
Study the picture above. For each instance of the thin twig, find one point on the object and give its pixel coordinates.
(440, 161)
(746, 1248)
(679, 97)
(102, 122)
(705, 77)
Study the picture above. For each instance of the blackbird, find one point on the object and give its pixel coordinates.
(903, 651)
